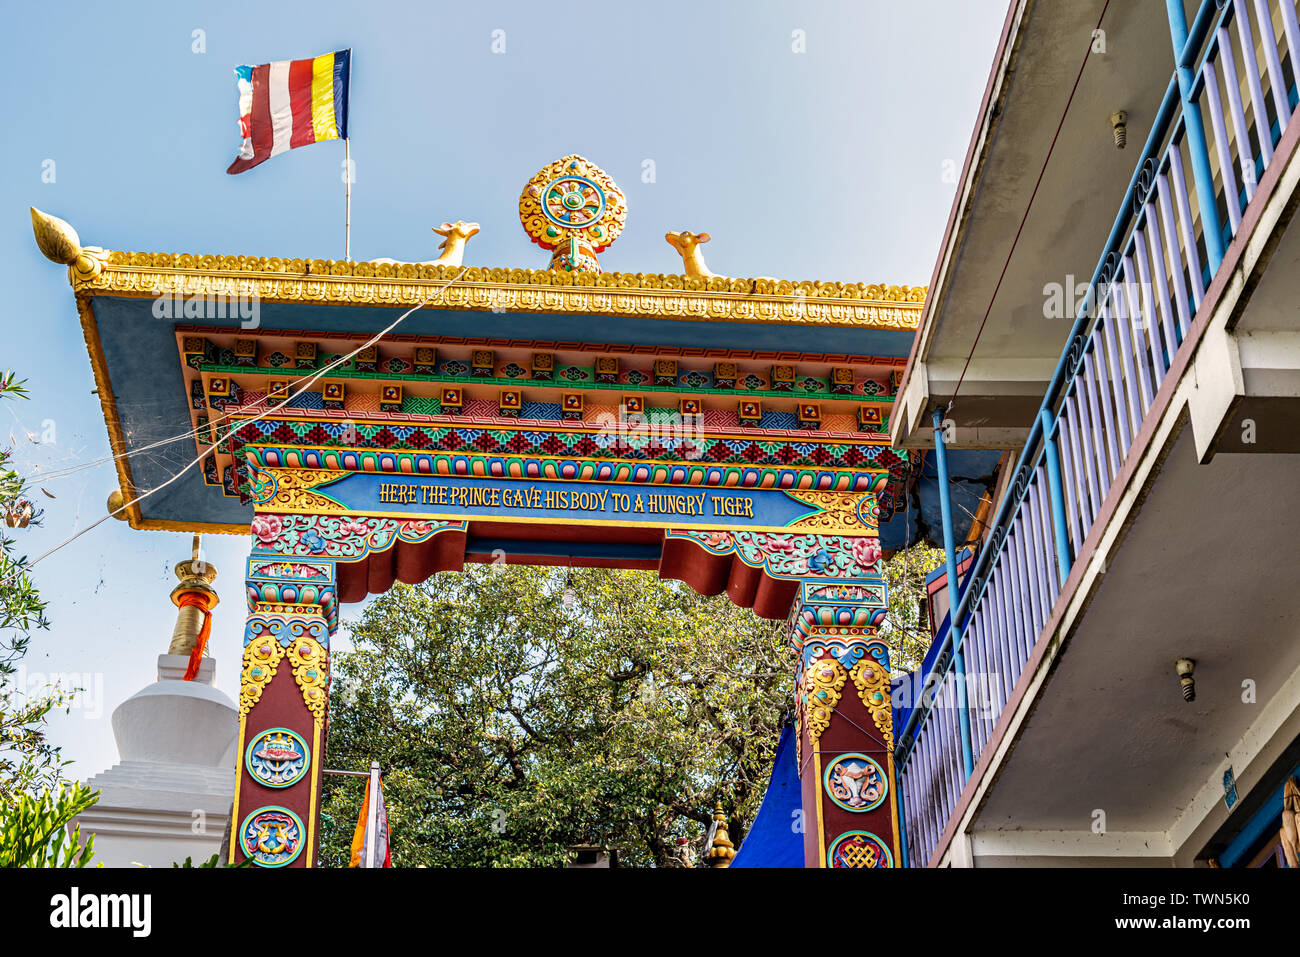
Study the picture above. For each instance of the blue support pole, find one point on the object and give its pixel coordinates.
(902, 827)
(954, 628)
(1197, 145)
(1056, 495)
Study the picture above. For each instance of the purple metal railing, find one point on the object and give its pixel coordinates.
(1149, 285)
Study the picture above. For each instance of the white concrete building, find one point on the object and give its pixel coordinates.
(1114, 303)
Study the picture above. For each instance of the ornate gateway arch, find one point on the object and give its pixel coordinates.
(730, 433)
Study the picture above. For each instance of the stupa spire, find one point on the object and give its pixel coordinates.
(721, 851)
(194, 598)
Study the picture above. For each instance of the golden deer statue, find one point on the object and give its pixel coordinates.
(687, 245)
(455, 236)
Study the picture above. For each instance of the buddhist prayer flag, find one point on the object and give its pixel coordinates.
(291, 103)
(364, 852)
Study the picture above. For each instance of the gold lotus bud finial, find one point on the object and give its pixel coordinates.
(59, 243)
(721, 851)
(115, 502)
(575, 209)
(57, 240)
(688, 245)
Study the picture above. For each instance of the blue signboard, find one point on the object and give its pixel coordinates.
(583, 503)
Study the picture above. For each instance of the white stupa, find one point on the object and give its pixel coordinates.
(170, 795)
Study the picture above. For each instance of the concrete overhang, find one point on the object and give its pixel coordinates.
(1110, 730)
(1032, 294)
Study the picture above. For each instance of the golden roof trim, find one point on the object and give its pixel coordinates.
(93, 270)
(872, 306)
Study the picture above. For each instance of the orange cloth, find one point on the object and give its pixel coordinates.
(197, 599)
(359, 834)
(359, 849)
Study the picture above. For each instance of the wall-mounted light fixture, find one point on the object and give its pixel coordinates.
(1185, 668)
(1119, 125)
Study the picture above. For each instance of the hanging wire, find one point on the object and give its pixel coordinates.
(1028, 207)
(287, 389)
(256, 418)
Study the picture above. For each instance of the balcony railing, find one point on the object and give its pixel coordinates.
(1184, 204)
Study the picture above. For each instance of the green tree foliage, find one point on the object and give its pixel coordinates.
(519, 711)
(214, 861)
(27, 759)
(35, 832)
(906, 627)
(35, 807)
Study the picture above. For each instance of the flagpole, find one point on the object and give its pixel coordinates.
(347, 209)
(372, 816)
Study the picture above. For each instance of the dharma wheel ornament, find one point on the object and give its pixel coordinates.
(575, 209)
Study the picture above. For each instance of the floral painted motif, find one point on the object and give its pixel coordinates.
(786, 555)
(342, 536)
(267, 529)
(866, 551)
(350, 527)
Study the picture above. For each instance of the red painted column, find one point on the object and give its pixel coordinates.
(283, 711)
(846, 742)
(844, 708)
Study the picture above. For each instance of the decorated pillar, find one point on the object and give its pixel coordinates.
(832, 586)
(283, 705)
(845, 722)
(303, 563)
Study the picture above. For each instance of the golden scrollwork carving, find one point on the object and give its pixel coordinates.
(862, 305)
(292, 490)
(310, 663)
(822, 684)
(262, 657)
(837, 512)
(872, 682)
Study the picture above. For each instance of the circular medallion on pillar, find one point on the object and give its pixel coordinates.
(277, 758)
(272, 836)
(856, 783)
(859, 849)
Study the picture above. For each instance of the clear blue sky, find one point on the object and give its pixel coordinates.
(826, 164)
